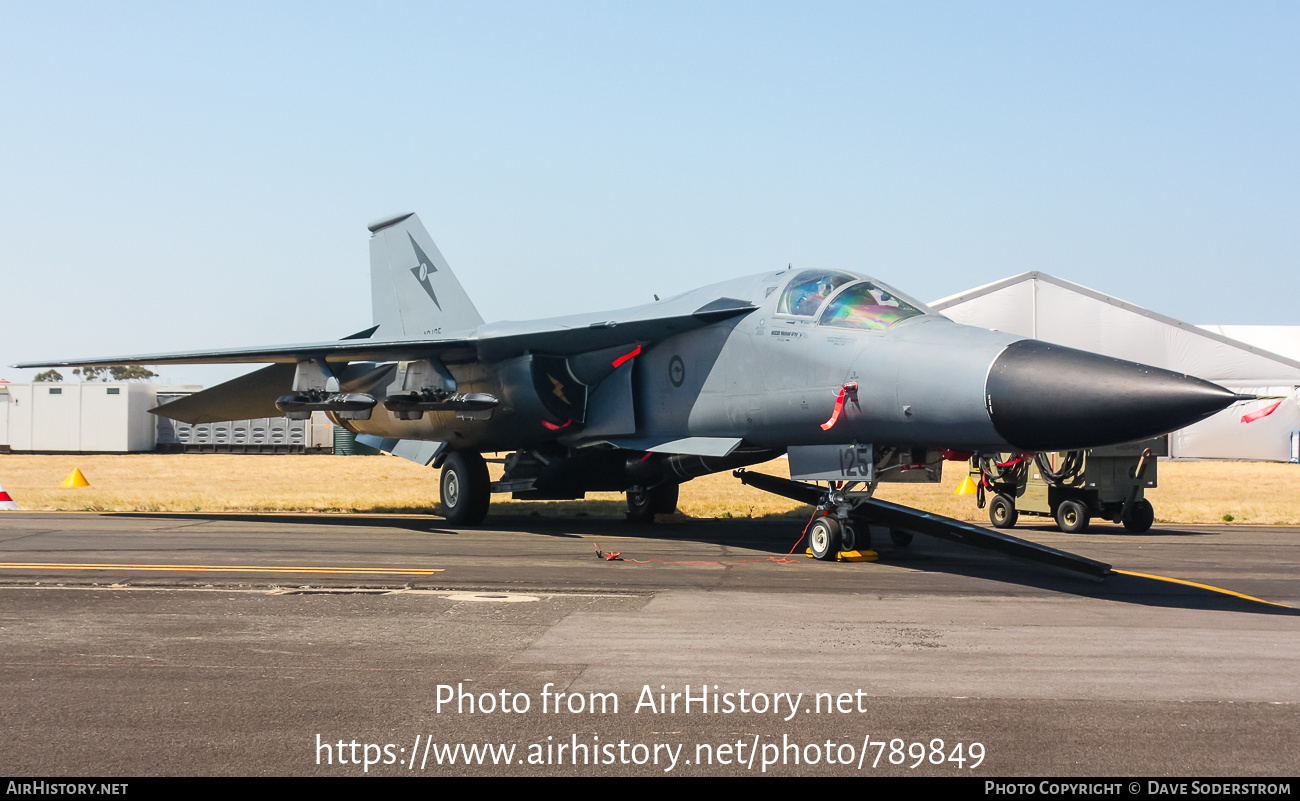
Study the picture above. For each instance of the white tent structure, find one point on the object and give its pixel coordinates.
(1044, 307)
(1284, 340)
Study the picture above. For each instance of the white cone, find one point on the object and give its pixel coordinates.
(6, 502)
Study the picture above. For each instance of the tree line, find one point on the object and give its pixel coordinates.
(114, 372)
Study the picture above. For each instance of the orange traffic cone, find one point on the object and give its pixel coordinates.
(75, 479)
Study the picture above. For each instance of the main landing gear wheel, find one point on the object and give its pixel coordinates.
(824, 538)
(1002, 511)
(1072, 517)
(465, 490)
(1140, 517)
(644, 504)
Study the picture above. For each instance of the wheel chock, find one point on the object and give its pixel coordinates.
(857, 556)
(850, 556)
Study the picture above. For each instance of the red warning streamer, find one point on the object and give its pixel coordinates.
(1256, 415)
(619, 361)
(848, 390)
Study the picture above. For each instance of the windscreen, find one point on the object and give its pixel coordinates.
(867, 307)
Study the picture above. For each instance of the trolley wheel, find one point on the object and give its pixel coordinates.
(1072, 517)
(1140, 517)
(824, 538)
(1002, 511)
(464, 489)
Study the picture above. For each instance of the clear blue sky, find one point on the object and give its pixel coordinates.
(187, 175)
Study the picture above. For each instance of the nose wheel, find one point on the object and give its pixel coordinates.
(830, 538)
(824, 538)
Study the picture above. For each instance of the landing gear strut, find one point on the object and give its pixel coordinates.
(841, 504)
(835, 528)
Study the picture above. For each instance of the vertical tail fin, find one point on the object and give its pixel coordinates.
(413, 292)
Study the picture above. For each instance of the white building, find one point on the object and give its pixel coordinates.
(113, 417)
(90, 416)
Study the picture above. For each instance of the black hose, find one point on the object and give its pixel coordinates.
(1069, 471)
(1013, 471)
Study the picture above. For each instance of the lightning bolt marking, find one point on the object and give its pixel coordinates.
(424, 264)
(559, 388)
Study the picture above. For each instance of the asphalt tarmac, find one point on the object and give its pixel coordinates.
(216, 644)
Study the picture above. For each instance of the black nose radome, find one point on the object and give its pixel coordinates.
(1044, 397)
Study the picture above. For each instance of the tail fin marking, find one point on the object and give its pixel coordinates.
(413, 291)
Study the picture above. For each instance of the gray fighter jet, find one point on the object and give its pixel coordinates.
(855, 380)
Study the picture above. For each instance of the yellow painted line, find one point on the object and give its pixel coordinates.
(1202, 586)
(367, 571)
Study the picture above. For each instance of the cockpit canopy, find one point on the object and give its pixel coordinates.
(809, 290)
(853, 302)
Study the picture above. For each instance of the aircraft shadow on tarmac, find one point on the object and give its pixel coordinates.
(778, 537)
(940, 557)
(1118, 531)
(409, 522)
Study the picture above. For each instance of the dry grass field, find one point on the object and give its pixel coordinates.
(1189, 492)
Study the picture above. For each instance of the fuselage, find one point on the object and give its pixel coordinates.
(773, 377)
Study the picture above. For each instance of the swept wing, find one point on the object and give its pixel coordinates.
(561, 336)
